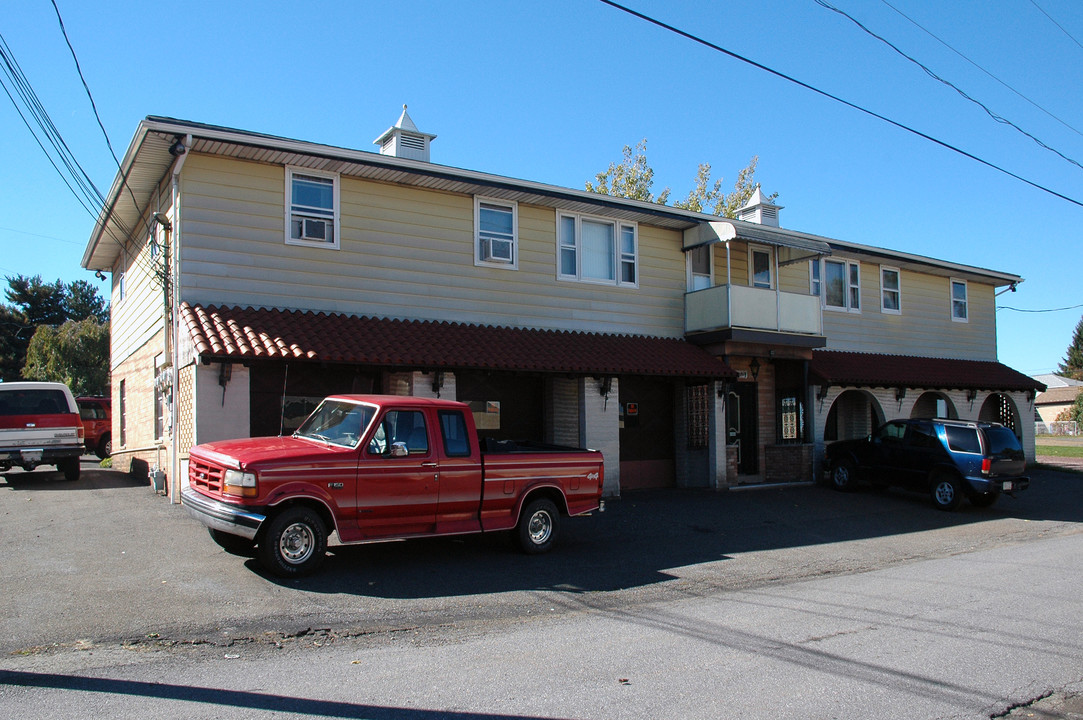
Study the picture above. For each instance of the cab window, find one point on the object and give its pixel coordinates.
(453, 430)
(401, 426)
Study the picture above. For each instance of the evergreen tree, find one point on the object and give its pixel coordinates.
(1072, 366)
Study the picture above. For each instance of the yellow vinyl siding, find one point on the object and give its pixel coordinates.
(924, 327)
(405, 253)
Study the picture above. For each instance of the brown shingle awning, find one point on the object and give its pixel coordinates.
(243, 334)
(833, 367)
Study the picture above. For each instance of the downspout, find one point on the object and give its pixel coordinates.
(173, 331)
(778, 293)
(729, 287)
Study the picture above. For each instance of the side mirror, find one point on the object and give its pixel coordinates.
(398, 449)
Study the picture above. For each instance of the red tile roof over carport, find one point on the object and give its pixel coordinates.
(242, 334)
(834, 367)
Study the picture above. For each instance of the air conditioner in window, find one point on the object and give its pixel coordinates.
(496, 250)
(312, 229)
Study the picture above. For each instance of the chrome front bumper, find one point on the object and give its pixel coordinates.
(221, 516)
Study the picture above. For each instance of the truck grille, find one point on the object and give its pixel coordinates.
(203, 475)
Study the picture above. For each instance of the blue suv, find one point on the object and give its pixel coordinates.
(948, 459)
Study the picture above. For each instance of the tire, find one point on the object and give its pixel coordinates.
(539, 525)
(844, 476)
(984, 500)
(70, 468)
(294, 542)
(233, 544)
(105, 447)
(946, 492)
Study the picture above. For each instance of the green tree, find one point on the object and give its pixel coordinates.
(76, 354)
(632, 178)
(1073, 361)
(36, 303)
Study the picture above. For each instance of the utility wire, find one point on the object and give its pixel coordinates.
(94, 107)
(847, 103)
(998, 118)
(1006, 307)
(1043, 12)
(979, 67)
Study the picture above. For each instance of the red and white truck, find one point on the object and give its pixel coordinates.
(40, 425)
(373, 468)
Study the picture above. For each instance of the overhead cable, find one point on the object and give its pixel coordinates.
(847, 103)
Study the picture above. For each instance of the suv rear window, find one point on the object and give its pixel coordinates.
(963, 439)
(1002, 441)
(33, 402)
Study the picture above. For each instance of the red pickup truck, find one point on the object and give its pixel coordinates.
(372, 468)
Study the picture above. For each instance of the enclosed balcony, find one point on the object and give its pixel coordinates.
(736, 295)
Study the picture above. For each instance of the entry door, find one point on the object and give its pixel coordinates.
(741, 426)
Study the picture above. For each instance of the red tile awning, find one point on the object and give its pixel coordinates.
(244, 334)
(833, 367)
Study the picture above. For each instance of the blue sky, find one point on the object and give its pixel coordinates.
(551, 91)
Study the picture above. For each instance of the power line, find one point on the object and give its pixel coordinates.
(998, 118)
(1043, 12)
(979, 67)
(837, 99)
(1050, 310)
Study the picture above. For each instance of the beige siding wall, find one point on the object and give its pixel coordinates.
(923, 328)
(138, 316)
(405, 252)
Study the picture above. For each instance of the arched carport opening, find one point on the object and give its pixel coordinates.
(1001, 409)
(934, 404)
(854, 414)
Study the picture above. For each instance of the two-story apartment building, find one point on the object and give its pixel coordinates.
(252, 275)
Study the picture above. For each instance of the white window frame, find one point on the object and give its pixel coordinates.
(884, 290)
(335, 211)
(766, 250)
(510, 205)
(815, 278)
(620, 258)
(952, 282)
(848, 287)
(692, 274)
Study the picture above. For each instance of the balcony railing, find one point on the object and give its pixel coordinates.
(725, 307)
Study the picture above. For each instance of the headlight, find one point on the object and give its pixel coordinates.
(235, 482)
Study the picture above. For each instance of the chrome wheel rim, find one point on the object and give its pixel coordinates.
(842, 476)
(945, 493)
(296, 543)
(540, 527)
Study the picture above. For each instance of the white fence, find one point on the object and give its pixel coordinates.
(1059, 427)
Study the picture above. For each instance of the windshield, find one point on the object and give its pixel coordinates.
(338, 422)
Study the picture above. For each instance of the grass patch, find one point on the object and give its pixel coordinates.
(1059, 450)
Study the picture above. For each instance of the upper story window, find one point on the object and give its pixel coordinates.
(759, 267)
(815, 282)
(312, 209)
(842, 285)
(597, 250)
(496, 233)
(890, 290)
(699, 268)
(959, 311)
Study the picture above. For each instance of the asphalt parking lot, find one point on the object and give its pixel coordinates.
(105, 559)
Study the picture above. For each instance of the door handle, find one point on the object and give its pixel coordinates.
(428, 464)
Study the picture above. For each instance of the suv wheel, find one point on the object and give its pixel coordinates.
(946, 492)
(844, 476)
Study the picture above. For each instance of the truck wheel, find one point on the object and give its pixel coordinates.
(844, 476)
(105, 447)
(539, 524)
(294, 543)
(946, 492)
(233, 544)
(70, 468)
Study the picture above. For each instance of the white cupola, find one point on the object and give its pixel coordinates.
(759, 210)
(404, 140)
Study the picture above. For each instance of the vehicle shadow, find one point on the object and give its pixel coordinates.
(644, 534)
(46, 479)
